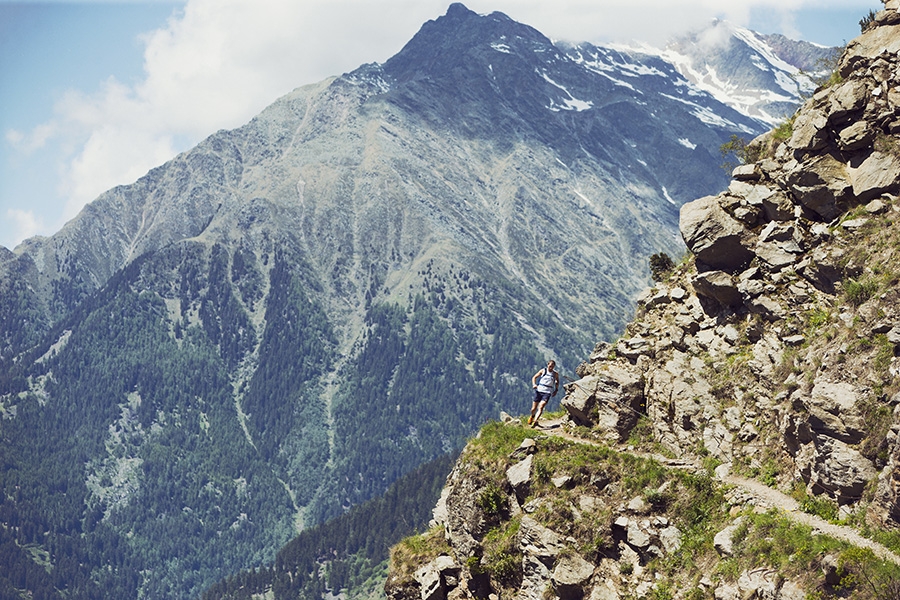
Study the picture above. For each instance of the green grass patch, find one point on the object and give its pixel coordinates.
(883, 354)
(878, 418)
(778, 543)
(416, 550)
(502, 557)
(815, 319)
(493, 500)
(641, 473)
(499, 439)
(662, 591)
(858, 291)
(788, 365)
(890, 539)
(767, 472)
(641, 432)
(784, 131)
(495, 442)
(819, 506)
(771, 540)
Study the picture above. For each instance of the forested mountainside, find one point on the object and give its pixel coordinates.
(740, 440)
(350, 551)
(276, 325)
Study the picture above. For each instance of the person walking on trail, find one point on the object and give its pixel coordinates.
(545, 384)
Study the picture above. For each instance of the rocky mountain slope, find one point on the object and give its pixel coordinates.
(762, 76)
(279, 323)
(759, 376)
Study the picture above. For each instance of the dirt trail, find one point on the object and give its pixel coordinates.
(763, 496)
(791, 508)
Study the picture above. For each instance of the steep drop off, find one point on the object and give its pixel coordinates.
(759, 376)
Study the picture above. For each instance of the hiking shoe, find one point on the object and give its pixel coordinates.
(534, 425)
(530, 419)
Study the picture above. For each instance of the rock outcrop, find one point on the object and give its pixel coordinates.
(787, 278)
(770, 352)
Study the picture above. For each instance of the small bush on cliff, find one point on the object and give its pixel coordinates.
(658, 500)
(857, 291)
(815, 319)
(865, 576)
(502, 556)
(661, 266)
(820, 506)
(878, 417)
(783, 132)
(738, 151)
(826, 73)
(492, 500)
(867, 22)
(641, 432)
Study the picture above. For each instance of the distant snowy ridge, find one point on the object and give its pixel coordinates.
(744, 69)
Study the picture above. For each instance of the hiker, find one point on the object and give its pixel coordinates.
(545, 384)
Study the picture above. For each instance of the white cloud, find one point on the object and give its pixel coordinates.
(14, 137)
(215, 65)
(35, 140)
(24, 222)
(652, 21)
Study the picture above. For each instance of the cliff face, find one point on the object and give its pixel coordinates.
(759, 377)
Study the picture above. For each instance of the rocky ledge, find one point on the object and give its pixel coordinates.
(768, 355)
(773, 347)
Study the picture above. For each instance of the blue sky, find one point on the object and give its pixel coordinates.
(94, 94)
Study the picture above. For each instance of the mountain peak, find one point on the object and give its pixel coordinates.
(458, 10)
(456, 40)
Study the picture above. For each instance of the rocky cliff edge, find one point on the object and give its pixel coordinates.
(756, 387)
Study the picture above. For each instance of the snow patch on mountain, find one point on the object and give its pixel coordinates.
(570, 103)
(704, 57)
(668, 197)
(765, 51)
(369, 75)
(707, 79)
(708, 116)
(607, 62)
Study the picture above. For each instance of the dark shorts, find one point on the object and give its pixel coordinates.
(542, 397)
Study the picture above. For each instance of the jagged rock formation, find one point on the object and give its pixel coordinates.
(771, 352)
(779, 260)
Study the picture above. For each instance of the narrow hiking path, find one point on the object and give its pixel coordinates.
(791, 509)
(763, 495)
